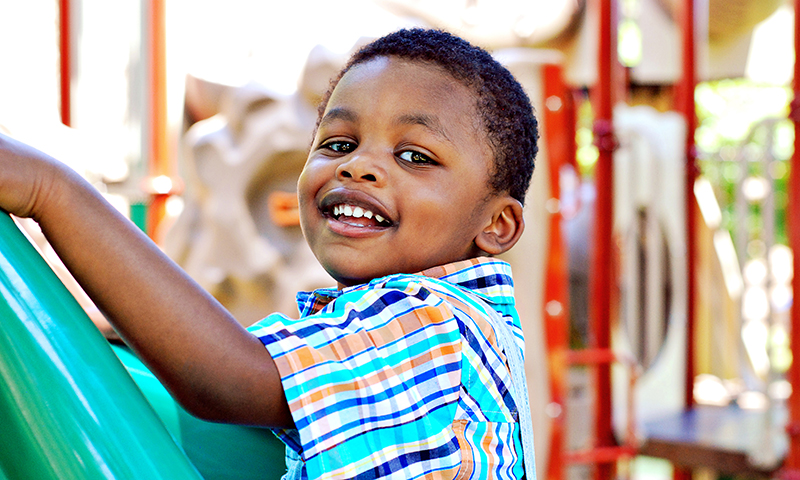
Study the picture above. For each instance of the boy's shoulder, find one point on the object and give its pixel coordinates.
(487, 278)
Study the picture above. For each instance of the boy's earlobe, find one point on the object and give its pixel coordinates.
(505, 229)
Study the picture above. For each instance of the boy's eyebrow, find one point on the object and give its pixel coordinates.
(338, 113)
(430, 122)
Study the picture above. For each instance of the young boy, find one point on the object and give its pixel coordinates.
(416, 176)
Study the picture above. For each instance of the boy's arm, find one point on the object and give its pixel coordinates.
(211, 365)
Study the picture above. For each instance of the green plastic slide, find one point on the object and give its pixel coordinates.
(69, 408)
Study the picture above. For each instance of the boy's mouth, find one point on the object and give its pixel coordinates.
(358, 216)
(354, 212)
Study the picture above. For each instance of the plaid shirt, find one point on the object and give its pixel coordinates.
(401, 377)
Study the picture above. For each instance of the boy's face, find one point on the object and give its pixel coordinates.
(398, 174)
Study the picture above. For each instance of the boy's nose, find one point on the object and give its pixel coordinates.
(361, 168)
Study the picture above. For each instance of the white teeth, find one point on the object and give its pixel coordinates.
(355, 212)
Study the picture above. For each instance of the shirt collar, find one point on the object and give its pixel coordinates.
(487, 277)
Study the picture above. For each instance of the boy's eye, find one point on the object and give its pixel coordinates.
(339, 146)
(416, 157)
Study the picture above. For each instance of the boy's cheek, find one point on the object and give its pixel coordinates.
(312, 177)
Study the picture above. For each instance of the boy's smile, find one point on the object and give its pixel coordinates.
(397, 179)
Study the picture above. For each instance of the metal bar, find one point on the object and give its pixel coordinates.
(591, 356)
(602, 455)
(158, 151)
(686, 106)
(559, 143)
(65, 60)
(602, 277)
(792, 462)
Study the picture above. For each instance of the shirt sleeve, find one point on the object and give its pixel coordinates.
(372, 379)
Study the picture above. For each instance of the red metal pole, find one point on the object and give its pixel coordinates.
(65, 60)
(560, 140)
(686, 105)
(602, 275)
(792, 463)
(158, 151)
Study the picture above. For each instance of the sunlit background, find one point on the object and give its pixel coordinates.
(741, 117)
(241, 41)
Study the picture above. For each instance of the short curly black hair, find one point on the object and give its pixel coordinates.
(505, 110)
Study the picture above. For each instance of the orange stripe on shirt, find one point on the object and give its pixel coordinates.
(376, 378)
(349, 345)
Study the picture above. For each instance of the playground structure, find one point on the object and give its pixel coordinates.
(69, 409)
(686, 436)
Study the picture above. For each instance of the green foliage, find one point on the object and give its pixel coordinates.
(736, 117)
(740, 119)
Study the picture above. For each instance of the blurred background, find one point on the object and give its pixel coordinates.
(655, 275)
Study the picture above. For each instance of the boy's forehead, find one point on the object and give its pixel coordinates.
(429, 94)
(424, 76)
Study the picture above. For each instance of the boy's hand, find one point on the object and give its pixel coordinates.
(27, 177)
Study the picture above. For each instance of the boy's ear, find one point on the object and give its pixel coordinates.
(505, 228)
